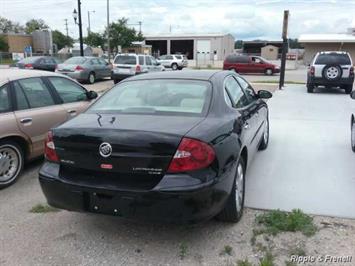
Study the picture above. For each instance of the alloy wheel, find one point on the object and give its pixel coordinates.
(239, 187)
(332, 72)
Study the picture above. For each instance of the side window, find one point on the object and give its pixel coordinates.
(21, 100)
(236, 93)
(148, 61)
(249, 91)
(36, 92)
(141, 60)
(5, 105)
(68, 90)
(169, 57)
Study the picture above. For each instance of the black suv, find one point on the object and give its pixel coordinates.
(331, 69)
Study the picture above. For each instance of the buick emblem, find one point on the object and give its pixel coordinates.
(105, 149)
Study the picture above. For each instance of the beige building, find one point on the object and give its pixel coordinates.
(270, 52)
(18, 42)
(314, 43)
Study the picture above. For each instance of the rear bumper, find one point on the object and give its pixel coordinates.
(325, 82)
(116, 76)
(187, 204)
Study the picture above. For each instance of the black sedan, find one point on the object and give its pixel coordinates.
(47, 63)
(169, 146)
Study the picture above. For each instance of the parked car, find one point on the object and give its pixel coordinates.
(352, 125)
(331, 69)
(170, 146)
(31, 102)
(249, 64)
(85, 68)
(128, 65)
(47, 63)
(173, 61)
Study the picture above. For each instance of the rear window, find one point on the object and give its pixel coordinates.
(125, 60)
(75, 61)
(338, 59)
(29, 60)
(237, 59)
(160, 96)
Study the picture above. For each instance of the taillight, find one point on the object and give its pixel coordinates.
(191, 155)
(312, 70)
(49, 148)
(79, 68)
(29, 66)
(138, 68)
(352, 71)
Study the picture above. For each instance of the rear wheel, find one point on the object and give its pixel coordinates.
(233, 210)
(174, 66)
(265, 140)
(269, 72)
(348, 89)
(11, 163)
(115, 81)
(352, 134)
(91, 78)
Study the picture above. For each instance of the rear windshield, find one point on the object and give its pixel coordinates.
(339, 59)
(75, 60)
(29, 60)
(159, 96)
(125, 60)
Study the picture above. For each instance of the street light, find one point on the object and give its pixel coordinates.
(77, 15)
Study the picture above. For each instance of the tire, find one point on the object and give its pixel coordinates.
(174, 66)
(310, 88)
(269, 72)
(332, 72)
(232, 211)
(352, 134)
(265, 139)
(10, 152)
(91, 78)
(348, 89)
(115, 81)
(180, 68)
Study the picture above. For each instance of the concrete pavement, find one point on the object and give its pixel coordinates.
(309, 163)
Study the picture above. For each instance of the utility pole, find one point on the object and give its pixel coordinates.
(89, 24)
(284, 49)
(140, 27)
(108, 30)
(66, 27)
(80, 30)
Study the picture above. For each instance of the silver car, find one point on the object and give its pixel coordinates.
(174, 61)
(85, 68)
(127, 65)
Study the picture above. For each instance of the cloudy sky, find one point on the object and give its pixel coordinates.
(245, 19)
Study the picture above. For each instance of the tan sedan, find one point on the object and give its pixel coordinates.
(32, 102)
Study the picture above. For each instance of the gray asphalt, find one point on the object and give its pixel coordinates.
(309, 163)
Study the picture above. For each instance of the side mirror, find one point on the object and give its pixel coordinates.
(352, 95)
(263, 94)
(91, 95)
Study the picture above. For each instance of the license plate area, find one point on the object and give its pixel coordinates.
(111, 204)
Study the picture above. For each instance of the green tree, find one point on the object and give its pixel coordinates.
(238, 44)
(7, 26)
(122, 35)
(293, 43)
(61, 40)
(4, 47)
(35, 24)
(95, 39)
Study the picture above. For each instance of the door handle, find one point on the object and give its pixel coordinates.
(72, 112)
(246, 125)
(26, 120)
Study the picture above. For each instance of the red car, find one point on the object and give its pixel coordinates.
(249, 64)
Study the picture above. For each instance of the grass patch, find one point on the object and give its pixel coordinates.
(244, 263)
(279, 221)
(267, 260)
(227, 250)
(41, 208)
(277, 82)
(182, 250)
